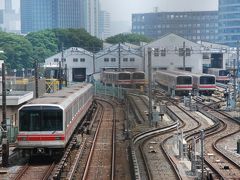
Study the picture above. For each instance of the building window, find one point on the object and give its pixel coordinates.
(64, 59)
(75, 59)
(113, 59)
(106, 59)
(163, 52)
(55, 59)
(82, 60)
(188, 52)
(125, 59)
(132, 59)
(206, 56)
(156, 52)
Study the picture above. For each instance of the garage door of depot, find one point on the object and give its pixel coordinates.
(78, 74)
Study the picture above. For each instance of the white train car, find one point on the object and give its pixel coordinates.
(204, 84)
(138, 79)
(47, 123)
(222, 75)
(173, 82)
(114, 78)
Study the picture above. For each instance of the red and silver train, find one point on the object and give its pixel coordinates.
(204, 83)
(124, 79)
(171, 81)
(138, 79)
(47, 123)
(222, 75)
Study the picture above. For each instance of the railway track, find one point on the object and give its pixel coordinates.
(140, 107)
(99, 164)
(167, 169)
(218, 159)
(35, 171)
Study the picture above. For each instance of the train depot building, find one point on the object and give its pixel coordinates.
(167, 54)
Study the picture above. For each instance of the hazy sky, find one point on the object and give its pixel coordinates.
(121, 10)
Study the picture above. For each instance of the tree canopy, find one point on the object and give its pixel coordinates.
(17, 50)
(21, 51)
(129, 38)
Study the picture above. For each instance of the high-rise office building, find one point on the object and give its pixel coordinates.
(90, 16)
(37, 15)
(47, 14)
(9, 19)
(68, 13)
(8, 5)
(194, 25)
(229, 22)
(104, 24)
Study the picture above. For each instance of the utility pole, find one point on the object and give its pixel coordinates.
(234, 83)
(184, 56)
(150, 85)
(119, 57)
(94, 63)
(5, 144)
(60, 70)
(65, 72)
(36, 79)
(237, 71)
(202, 151)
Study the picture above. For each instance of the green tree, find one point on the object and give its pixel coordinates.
(44, 44)
(17, 50)
(77, 38)
(129, 38)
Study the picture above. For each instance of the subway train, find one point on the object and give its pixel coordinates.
(124, 79)
(46, 124)
(138, 79)
(222, 75)
(173, 81)
(205, 84)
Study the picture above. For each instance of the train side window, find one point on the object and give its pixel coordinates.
(125, 59)
(132, 59)
(113, 59)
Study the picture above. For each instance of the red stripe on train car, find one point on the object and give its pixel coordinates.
(184, 86)
(209, 87)
(41, 138)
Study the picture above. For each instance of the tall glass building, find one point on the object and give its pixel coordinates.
(194, 25)
(48, 14)
(37, 15)
(229, 22)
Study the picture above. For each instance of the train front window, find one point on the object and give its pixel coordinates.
(41, 118)
(124, 76)
(207, 80)
(138, 76)
(184, 80)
